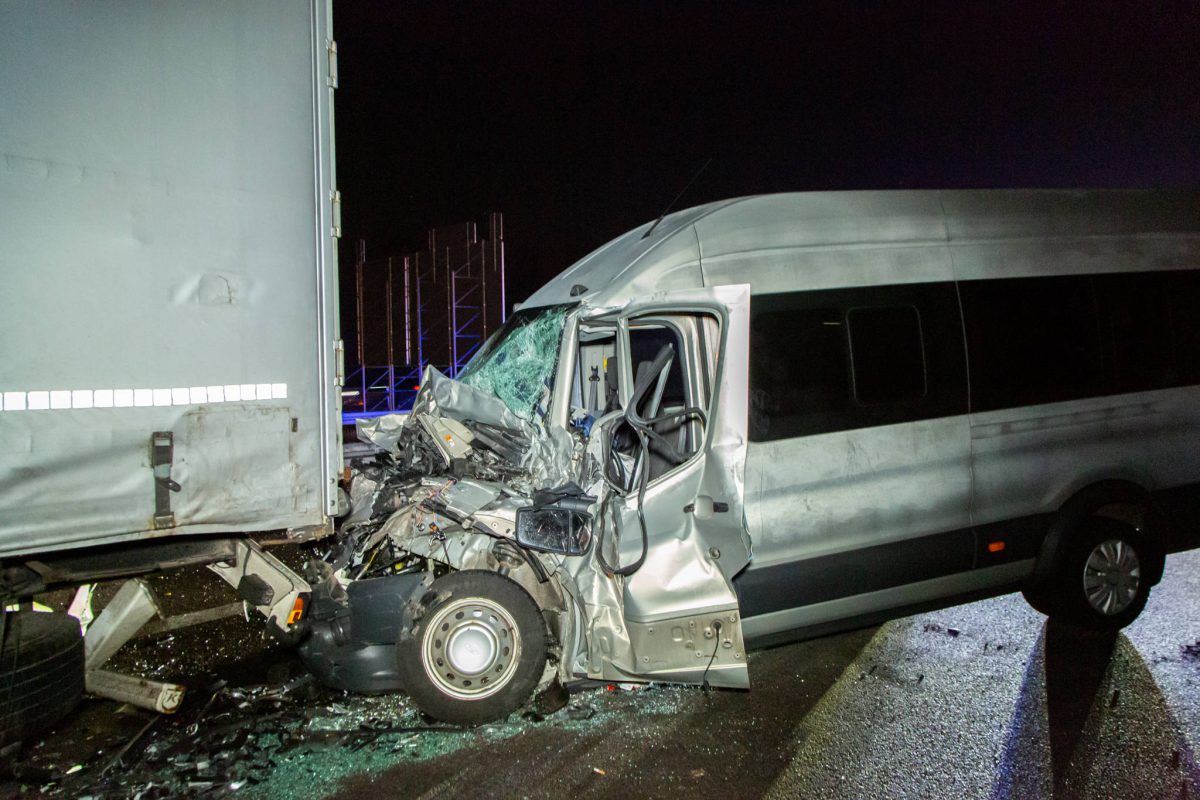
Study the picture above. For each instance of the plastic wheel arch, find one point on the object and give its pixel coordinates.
(1121, 500)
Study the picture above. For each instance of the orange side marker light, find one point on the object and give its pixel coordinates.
(297, 611)
(995, 547)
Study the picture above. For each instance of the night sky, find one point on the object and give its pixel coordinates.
(579, 124)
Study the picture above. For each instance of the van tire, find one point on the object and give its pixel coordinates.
(41, 672)
(1042, 597)
(1109, 560)
(499, 636)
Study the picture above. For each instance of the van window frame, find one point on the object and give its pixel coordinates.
(694, 369)
(707, 369)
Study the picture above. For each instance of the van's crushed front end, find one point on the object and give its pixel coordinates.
(473, 565)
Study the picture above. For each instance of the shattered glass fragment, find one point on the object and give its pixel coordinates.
(517, 364)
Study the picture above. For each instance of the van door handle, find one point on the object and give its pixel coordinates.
(705, 507)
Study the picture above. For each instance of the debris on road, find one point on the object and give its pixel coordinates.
(933, 627)
(284, 739)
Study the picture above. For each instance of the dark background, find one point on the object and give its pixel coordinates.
(579, 121)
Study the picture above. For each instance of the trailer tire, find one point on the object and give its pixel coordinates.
(476, 651)
(41, 672)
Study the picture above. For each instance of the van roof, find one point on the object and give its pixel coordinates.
(672, 256)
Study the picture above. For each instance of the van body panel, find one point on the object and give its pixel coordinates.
(983, 214)
(633, 266)
(989, 233)
(813, 496)
(1030, 460)
(775, 270)
(857, 605)
(822, 220)
(1075, 255)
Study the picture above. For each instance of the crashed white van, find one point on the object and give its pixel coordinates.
(777, 415)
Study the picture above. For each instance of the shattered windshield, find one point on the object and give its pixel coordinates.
(517, 363)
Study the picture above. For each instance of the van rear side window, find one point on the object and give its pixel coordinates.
(1032, 340)
(1054, 339)
(854, 358)
(1152, 321)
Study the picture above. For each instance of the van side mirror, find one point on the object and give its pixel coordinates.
(553, 529)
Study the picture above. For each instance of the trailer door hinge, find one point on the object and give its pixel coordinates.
(331, 50)
(336, 204)
(339, 353)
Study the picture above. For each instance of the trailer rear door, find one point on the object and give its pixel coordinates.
(168, 286)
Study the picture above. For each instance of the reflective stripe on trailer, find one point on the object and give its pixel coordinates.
(58, 399)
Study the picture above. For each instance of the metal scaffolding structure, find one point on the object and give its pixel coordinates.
(435, 307)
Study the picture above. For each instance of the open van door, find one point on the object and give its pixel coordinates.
(679, 451)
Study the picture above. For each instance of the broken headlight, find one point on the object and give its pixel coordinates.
(554, 529)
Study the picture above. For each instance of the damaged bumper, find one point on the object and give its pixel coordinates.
(352, 632)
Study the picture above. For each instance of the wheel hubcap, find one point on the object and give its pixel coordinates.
(1111, 576)
(471, 648)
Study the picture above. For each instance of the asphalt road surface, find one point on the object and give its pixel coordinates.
(984, 700)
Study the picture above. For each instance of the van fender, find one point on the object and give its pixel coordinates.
(1121, 500)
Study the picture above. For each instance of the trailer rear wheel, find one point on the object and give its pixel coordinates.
(41, 671)
(477, 651)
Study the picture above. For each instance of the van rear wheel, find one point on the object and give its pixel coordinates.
(1104, 580)
(1043, 597)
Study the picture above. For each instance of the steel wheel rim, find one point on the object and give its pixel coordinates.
(1112, 575)
(471, 648)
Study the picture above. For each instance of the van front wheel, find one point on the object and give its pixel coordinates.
(477, 651)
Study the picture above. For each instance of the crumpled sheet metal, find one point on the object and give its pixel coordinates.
(461, 550)
(363, 491)
(602, 638)
(732, 404)
(383, 431)
(552, 451)
(463, 401)
(552, 456)
(517, 370)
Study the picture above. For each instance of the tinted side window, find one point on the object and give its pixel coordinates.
(1152, 320)
(1183, 310)
(854, 358)
(1135, 319)
(1045, 340)
(799, 369)
(887, 354)
(1032, 340)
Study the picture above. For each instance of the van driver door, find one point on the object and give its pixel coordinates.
(674, 464)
